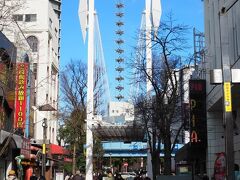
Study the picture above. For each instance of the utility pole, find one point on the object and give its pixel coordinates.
(44, 125)
(227, 103)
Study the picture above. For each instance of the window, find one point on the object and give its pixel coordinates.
(35, 99)
(50, 22)
(30, 17)
(18, 17)
(56, 31)
(53, 134)
(33, 43)
(35, 70)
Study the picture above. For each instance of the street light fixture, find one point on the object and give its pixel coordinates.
(45, 107)
(44, 125)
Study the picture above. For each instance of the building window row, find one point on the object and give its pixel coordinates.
(25, 17)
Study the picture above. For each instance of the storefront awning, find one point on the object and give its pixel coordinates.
(125, 133)
(56, 149)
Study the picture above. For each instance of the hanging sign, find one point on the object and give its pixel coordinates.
(20, 101)
(26, 148)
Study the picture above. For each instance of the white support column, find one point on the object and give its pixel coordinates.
(89, 140)
(148, 45)
(149, 71)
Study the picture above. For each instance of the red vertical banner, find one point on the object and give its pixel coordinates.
(21, 95)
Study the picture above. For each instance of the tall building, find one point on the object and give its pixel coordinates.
(222, 32)
(39, 22)
(34, 29)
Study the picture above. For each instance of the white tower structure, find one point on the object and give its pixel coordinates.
(86, 15)
(153, 14)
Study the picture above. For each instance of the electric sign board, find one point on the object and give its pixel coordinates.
(198, 120)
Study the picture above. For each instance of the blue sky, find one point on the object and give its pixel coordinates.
(189, 12)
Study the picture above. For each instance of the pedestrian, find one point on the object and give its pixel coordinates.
(118, 177)
(147, 178)
(67, 177)
(205, 177)
(33, 177)
(77, 176)
(100, 176)
(12, 175)
(42, 178)
(110, 176)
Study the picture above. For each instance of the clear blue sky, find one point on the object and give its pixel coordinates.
(189, 12)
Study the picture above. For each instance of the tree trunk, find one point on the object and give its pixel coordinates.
(155, 164)
(155, 156)
(167, 153)
(74, 158)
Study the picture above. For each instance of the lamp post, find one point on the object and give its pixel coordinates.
(44, 125)
(45, 107)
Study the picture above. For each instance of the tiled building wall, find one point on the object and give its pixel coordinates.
(237, 139)
(215, 138)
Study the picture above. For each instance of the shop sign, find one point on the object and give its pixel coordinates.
(198, 123)
(227, 97)
(26, 148)
(20, 102)
(28, 163)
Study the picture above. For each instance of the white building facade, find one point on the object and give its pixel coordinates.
(214, 55)
(39, 23)
(124, 109)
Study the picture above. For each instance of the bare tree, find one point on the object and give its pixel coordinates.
(74, 97)
(74, 92)
(160, 114)
(7, 9)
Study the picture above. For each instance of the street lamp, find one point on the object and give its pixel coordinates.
(44, 125)
(45, 107)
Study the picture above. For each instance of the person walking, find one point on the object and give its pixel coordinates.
(12, 175)
(42, 178)
(33, 177)
(77, 176)
(67, 177)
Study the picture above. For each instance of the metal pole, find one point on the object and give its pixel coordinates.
(27, 128)
(90, 92)
(149, 87)
(227, 104)
(44, 125)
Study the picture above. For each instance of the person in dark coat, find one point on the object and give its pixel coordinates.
(118, 177)
(77, 176)
(33, 177)
(42, 178)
